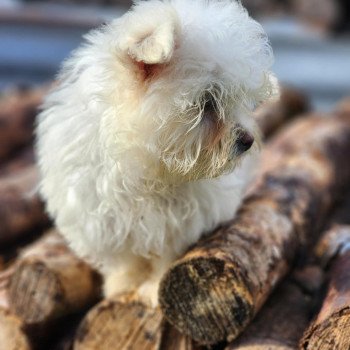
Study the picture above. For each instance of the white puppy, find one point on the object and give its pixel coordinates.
(145, 144)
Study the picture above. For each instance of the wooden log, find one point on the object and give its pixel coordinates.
(48, 283)
(19, 162)
(125, 321)
(12, 335)
(21, 209)
(276, 112)
(121, 320)
(283, 319)
(216, 289)
(172, 339)
(18, 109)
(330, 329)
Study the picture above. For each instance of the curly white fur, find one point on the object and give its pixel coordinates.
(134, 168)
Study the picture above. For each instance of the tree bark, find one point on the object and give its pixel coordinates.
(12, 335)
(274, 113)
(21, 210)
(282, 321)
(330, 329)
(216, 289)
(49, 282)
(18, 110)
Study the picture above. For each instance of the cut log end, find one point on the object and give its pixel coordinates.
(49, 282)
(122, 323)
(43, 292)
(208, 319)
(330, 334)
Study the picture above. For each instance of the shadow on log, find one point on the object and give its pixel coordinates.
(216, 289)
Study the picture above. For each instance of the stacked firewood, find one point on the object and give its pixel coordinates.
(276, 277)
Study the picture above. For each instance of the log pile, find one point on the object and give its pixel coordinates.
(221, 295)
(331, 327)
(216, 289)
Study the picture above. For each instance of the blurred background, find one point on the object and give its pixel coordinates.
(310, 38)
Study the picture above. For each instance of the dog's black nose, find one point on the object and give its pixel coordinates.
(244, 142)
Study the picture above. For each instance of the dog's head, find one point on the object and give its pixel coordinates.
(188, 74)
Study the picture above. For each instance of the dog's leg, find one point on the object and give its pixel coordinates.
(148, 291)
(150, 37)
(129, 273)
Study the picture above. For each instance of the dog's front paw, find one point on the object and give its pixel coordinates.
(120, 282)
(148, 293)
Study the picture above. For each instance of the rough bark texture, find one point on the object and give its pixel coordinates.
(12, 335)
(21, 210)
(331, 328)
(49, 282)
(273, 114)
(283, 319)
(18, 109)
(216, 289)
(122, 323)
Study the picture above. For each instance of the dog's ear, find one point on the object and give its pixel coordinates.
(149, 35)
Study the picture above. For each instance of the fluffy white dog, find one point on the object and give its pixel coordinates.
(146, 142)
